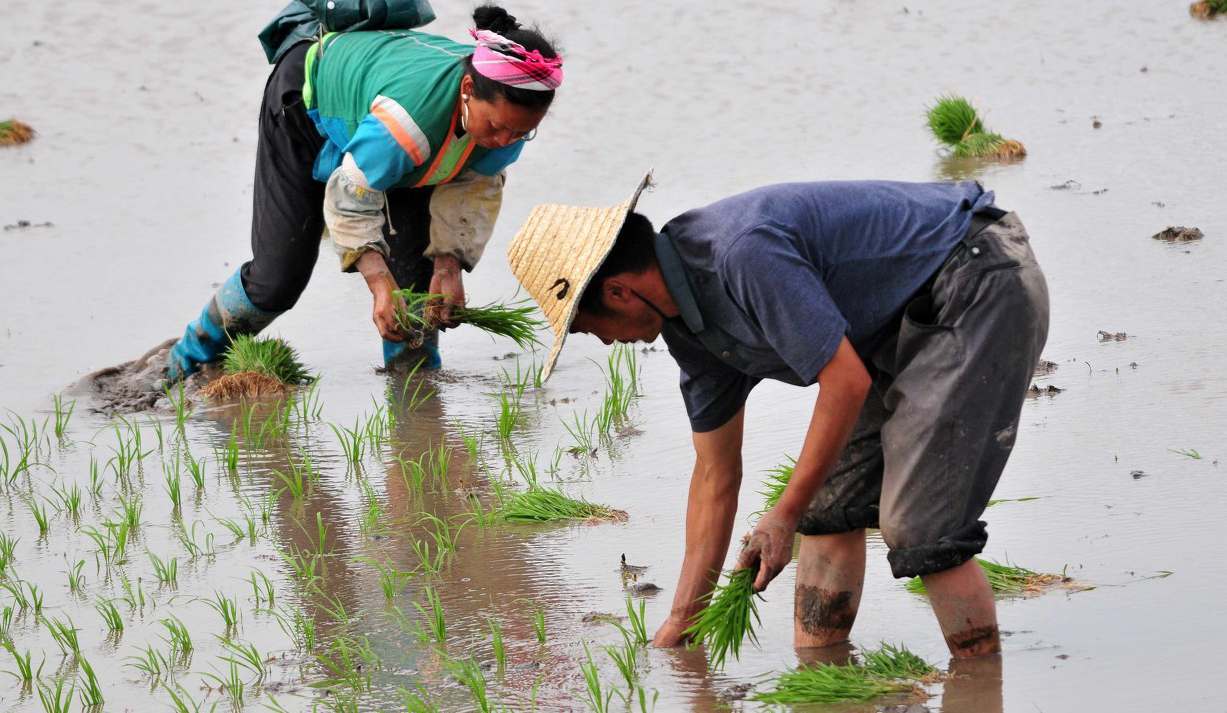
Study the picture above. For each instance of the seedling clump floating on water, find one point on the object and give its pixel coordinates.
(542, 504)
(515, 321)
(14, 132)
(1005, 579)
(888, 670)
(726, 620)
(955, 123)
(256, 367)
(1208, 9)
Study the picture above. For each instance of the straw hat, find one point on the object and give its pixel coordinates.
(556, 253)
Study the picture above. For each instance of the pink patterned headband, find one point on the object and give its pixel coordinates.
(507, 62)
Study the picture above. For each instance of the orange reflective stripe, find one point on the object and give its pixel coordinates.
(451, 136)
(398, 132)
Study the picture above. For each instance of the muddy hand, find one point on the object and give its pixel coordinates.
(445, 280)
(768, 548)
(385, 303)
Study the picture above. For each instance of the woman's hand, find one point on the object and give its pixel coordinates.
(382, 286)
(672, 633)
(446, 281)
(768, 549)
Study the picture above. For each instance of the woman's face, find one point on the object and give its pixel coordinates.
(497, 123)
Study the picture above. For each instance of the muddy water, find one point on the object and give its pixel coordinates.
(143, 165)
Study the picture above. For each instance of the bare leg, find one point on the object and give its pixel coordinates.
(963, 602)
(830, 577)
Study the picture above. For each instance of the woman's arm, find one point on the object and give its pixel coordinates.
(462, 216)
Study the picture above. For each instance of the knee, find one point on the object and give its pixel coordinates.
(275, 290)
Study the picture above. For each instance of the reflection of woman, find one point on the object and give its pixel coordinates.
(397, 142)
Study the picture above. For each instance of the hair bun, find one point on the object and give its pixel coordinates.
(494, 19)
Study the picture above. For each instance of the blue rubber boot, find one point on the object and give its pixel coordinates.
(228, 314)
(399, 355)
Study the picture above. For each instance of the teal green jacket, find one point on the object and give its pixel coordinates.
(308, 19)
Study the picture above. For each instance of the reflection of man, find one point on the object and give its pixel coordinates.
(919, 310)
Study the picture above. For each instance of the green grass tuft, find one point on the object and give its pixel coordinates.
(726, 620)
(886, 671)
(1003, 578)
(265, 355)
(515, 321)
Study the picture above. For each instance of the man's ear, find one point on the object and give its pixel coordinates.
(617, 292)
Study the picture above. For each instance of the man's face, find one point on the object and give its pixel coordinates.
(626, 318)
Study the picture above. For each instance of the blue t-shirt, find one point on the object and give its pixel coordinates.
(770, 281)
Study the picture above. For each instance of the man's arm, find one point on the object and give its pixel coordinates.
(842, 386)
(710, 510)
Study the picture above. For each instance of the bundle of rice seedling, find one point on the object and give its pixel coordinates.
(888, 670)
(726, 620)
(773, 487)
(13, 132)
(1004, 579)
(1208, 9)
(515, 321)
(541, 504)
(256, 367)
(955, 123)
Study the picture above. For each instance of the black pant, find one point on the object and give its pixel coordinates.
(287, 212)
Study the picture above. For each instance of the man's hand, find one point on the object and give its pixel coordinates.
(446, 281)
(382, 285)
(672, 633)
(768, 548)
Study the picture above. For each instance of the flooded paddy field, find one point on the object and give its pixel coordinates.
(136, 196)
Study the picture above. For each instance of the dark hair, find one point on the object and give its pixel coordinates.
(634, 250)
(496, 19)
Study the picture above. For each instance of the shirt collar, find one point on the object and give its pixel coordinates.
(678, 283)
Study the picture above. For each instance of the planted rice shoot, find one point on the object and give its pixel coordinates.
(110, 616)
(436, 621)
(8, 546)
(957, 124)
(515, 321)
(167, 572)
(469, 674)
(885, 671)
(26, 674)
(63, 414)
(227, 608)
(180, 639)
(497, 644)
(539, 623)
(65, 635)
(599, 698)
(728, 618)
(91, 693)
(56, 700)
(1005, 579)
(14, 132)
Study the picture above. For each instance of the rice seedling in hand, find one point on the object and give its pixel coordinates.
(515, 321)
(1005, 579)
(777, 480)
(256, 367)
(14, 132)
(955, 123)
(728, 618)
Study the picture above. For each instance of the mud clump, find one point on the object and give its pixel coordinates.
(243, 385)
(14, 132)
(1106, 336)
(1045, 367)
(1178, 234)
(131, 386)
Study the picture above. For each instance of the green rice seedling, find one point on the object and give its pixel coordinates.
(378, 427)
(1002, 501)
(470, 675)
(130, 511)
(56, 700)
(28, 441)
(306, 406)
(158, 434)
(435, 619)
(539, 623)
(17, 593)
(4, 464)
(829, 683)
(412, 473)
(1187, 452)
(497, 644)
(417, 701)
(348, 662)
(91, 692)
(231, 455)
(76, 580)
(542, 504)
(626, 660)
(230, 683)
(8, 545)
(247, 656)
(955, 123)
(196, 469)
(636, 631)
(26, 674)
(895, 663)
(295, 482)
(580, 430)
(41, 517)
(95, 478)
(134, 596)
(729, 617)
(321, 534)
(110, 615)
(234, 527)
(428, 563)
(188, 539)
(410, 402)
(371, 517)
(299, 627)
(183, 701)
(178, 400)
(304, 567)
(170, 471)
(1005, 579)
(515, 321)
(36, 598)
(262, 589)
(14, 132)
(167, 572)
(777, 480)
(179, 638)
(391, 580)
(6, 625)
(151, 663)
(510, 409)
(228, 609)
(598, 697)
(65, 635)
(353, 445)
(63, 414)
(265, 355)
